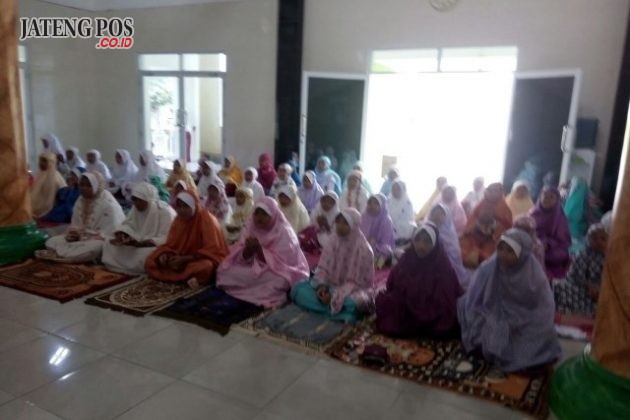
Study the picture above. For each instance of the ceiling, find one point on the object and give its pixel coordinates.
(103, 5)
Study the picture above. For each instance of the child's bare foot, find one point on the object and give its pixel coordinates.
(193, 283)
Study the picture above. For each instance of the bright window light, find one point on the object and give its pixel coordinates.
(434, 124)
(405, 61)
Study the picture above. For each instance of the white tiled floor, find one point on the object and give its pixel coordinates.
(75, 361)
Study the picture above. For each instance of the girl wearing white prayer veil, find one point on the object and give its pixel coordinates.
(95, 164)
(145, 228)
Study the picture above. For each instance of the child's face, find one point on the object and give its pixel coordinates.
(353, 182)
(139, 204)
(422, 244)
(91, 158)
(183, 210)
(397, 191)
(261, 219)
(321, 165)
(392, 175)
(85, 188)
(342, 227)
(549, 199)
(598, 241)
(521, 191)
(72, 180)
(176, 166)
(307, 183)
(119, 159)
(282, 173)
(213, 192)
(373, 207)
(227, 163)
(205, 169)
(327, 203)
(284, 200)
(43, 164)
(69, 154)
(249, 176)
(448, 195)
(506, 256)
(240, 198)
(437, 216)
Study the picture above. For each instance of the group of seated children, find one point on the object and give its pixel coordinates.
(480, 269)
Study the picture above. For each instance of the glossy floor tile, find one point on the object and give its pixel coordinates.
(75, 361)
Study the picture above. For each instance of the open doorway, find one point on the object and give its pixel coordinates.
(439, 112)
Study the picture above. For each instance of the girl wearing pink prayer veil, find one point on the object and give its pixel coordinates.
(266, 262)
(458, 214)
(343, 285)
(378, 228)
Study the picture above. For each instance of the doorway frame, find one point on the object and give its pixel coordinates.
(567, 142)
(306, 76)
(180, 74)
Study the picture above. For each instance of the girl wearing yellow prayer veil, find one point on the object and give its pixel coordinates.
(46, 184)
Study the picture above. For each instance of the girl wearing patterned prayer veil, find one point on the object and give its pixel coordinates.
(45, 186)
(283, 180)
(323, 217)
(343, 285)
(217, 202)
(145, 228)
(422, 290)
(508, 312)
(266, 262)
(95, 216)
(194, 247)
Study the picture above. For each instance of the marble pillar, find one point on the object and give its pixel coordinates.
(18, 234)
(597, 384)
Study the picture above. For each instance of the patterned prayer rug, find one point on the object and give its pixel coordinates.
(444, 364)
(142, 296)
(299, 327)
(213, 309)
(61, 282)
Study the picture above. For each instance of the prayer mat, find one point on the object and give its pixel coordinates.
(213, 309)
(444, 364)
(61, 282)
(142, 296)
(574, 326)
(297, 326)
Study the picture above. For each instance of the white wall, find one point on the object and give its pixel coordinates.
(339, 36)
(91, 98)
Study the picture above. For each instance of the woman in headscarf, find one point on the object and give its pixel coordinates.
(508, 312)
(73, 158)
(52, 144)
(552, 229)
(207, 178)
(293, 209)
(266, 172)
(194, 247)
(95, 216)
(180, 173)
(124, 171)
(581, 209)
(310, 192)
(149, 168)
(475, 196)
(435, 197)
(179, 187)
(65, 199)
(266, 262)
(45, 185)
(485, 226)
(579, 293)
(95, 164)
(422, 291)
(326, 177)
(243, 209)
(323, 217)
(392, 175)
(458, 214)
(250, 181)
(145, 227)
(217, 202)
(520, 199)
(401, 212)
(528, 225)
(378, 228)
(440, 216)
(354, 195)
(342, 287)
(283, 180)
(231, 171)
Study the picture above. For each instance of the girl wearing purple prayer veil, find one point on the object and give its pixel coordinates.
(508, 311)
(552, 229)
(310, 192)
(343, 285)
(378, 228)
(440, 215)
(422, 290)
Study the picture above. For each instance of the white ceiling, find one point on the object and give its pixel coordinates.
(102, 5)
